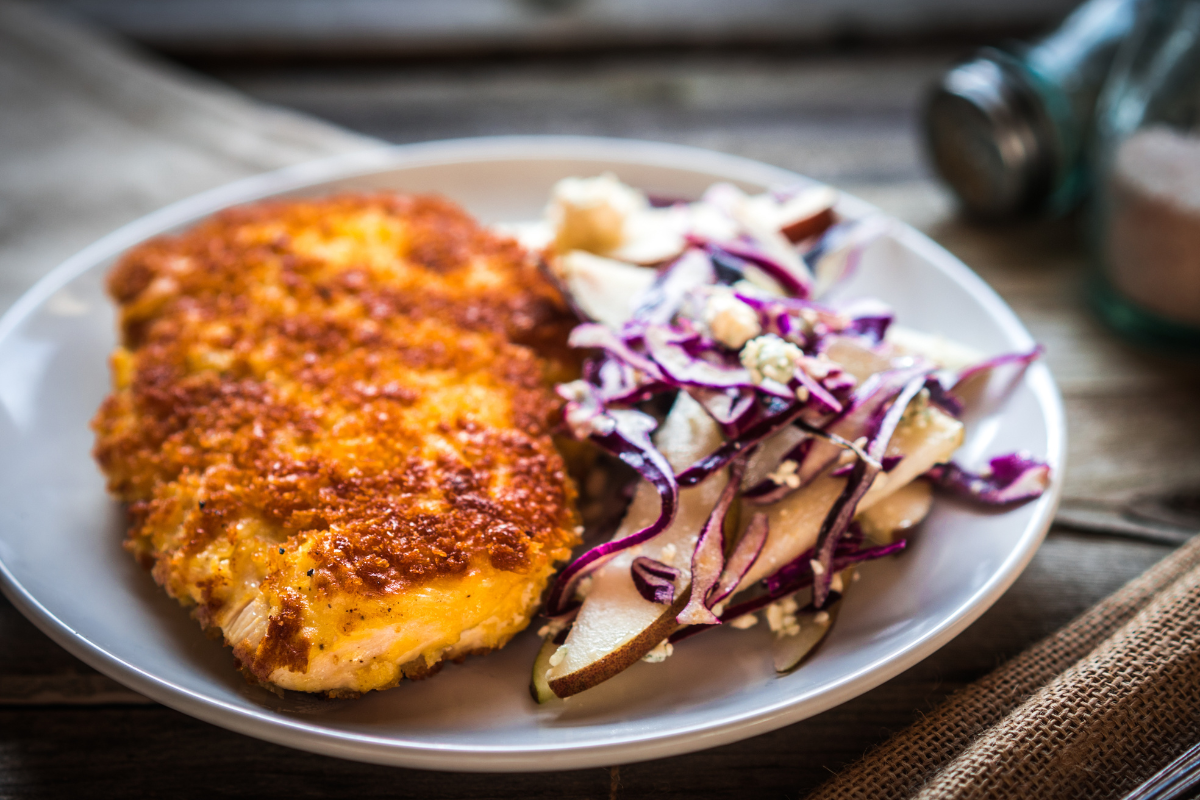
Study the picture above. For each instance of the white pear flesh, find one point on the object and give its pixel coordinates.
(603, 288)
(935, 347)
(929, 437)
(616, 626)
(898, 513)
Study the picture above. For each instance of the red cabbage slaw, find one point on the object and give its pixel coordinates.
(667, 345)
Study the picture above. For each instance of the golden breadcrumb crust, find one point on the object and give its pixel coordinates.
(328, 407)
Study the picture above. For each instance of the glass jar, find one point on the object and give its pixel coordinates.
(1145, 216)
(1006, 129)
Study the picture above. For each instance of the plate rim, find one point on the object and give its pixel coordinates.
(265, 724)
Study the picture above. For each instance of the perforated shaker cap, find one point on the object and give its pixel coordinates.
(988, 139)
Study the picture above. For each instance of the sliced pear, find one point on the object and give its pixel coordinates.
(898, 513)
(539, 687)
(854, 357)
(604, 288)
(653, 236)
(616, 626)
(923, 439)
(789, 652)
(935, 347)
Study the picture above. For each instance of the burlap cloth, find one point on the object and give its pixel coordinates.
(1089, 712)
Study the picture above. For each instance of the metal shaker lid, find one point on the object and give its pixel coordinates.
(989, 139)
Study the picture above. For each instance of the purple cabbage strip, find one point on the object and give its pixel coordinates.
(824, 400)
(798, 573)
(743, 557)
(855, 421)
(667, 348)
(731, 253)
(660, 302)
(800, 567)
(732, 448)
(628, 440)
(857, 485)
(654, 580)
(708, 559)
(601, 337)
(941, 395)
(869, 319)
(1013, 478)
(773, 309)
(800, 579)
(620, 384)
(731, 408)
(1023, 359)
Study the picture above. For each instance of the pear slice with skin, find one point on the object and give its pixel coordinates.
(898, 513)
(539, 688)
(926, 438)
(603, 288)
(616, 626)
(789, 652)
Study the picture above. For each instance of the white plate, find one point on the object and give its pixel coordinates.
(60, 536)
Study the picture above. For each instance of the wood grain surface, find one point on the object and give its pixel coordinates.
(850, 119)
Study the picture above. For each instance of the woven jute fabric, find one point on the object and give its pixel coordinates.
(1088, 712)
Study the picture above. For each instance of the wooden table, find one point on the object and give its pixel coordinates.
(846, 118)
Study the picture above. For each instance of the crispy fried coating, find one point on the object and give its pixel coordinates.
(331, 422)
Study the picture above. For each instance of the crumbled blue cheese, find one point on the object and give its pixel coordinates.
(771, 357)
(781, 617)
(785, 474)
(660, 653)
(731, 322)
(668, 553)
(744, 622)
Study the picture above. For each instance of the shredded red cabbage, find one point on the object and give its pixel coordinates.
(869, 319)
(975, 370)
(731, 449)
(654, 580)
(661, 301)
(743, 557)
(629, 440)
(668, 348)
(601, 337)
(708, 559)
(1011, 479)
(801, 577)
(734, 256)
(940, 394)
(857, 420)
(857, 485)
(731, 408)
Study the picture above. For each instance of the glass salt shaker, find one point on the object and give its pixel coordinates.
(1007, 129)
(1144, 222)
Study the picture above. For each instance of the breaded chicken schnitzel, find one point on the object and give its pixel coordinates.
(331, 420)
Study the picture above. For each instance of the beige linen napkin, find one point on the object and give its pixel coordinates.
(1089, 712)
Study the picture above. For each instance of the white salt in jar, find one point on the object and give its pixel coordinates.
(1145, 221)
